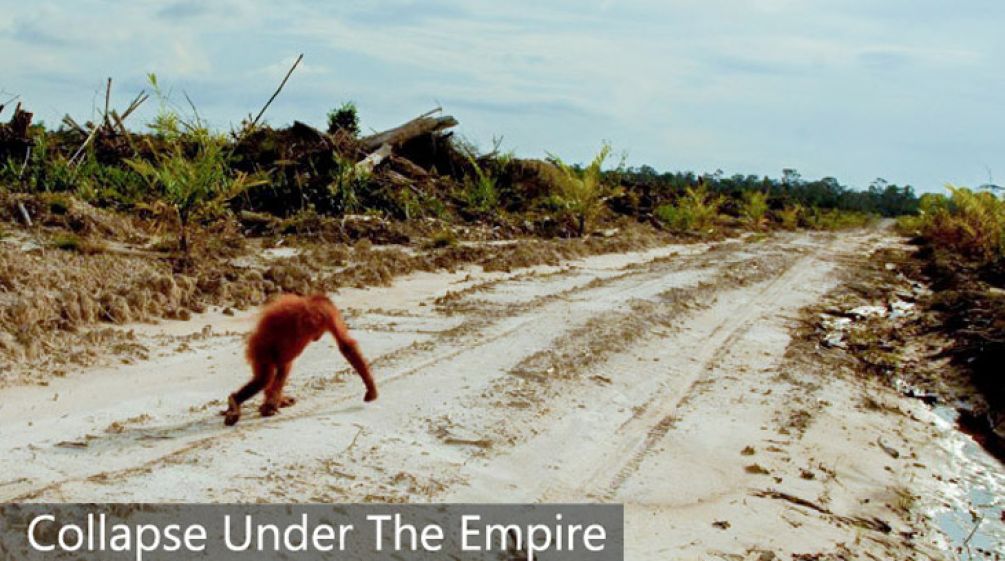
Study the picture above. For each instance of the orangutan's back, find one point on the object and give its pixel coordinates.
(286, 326)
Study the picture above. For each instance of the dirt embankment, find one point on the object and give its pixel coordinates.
(63, 307)
(674, 380)
(930, 325)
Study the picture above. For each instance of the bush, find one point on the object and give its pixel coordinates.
(190, 168)
(833, 219)
(966, 222)
(480, 193)
(202, 183)
(696, 211)
(754, 209)
(49, 171)
(345, 118)
(347, 185)
(581, 193)
(110, 185)
(788, 217)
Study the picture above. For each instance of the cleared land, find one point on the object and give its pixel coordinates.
(670, 380)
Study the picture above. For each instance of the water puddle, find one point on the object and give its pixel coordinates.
(973, 520)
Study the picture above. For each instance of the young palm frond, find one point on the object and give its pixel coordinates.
(583, 192)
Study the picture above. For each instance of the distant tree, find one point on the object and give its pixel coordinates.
(791, 177)
(881, 197)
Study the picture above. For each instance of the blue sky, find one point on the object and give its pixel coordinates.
(908, 90)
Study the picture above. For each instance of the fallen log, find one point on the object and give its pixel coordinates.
(423, 124)
(367, 164)
(408, 167)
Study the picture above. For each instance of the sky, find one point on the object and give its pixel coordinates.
(907, 90)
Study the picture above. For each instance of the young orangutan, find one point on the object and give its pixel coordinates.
(286, 327)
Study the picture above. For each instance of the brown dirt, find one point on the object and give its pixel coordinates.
(940, 344)
(56, 304)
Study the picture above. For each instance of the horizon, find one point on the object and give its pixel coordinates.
(903, 91)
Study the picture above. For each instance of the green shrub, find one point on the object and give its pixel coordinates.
(968, 222)
(754, 209)
(345, 119)
(46, 170)
(110, 185)
(190, 168)
(582, 193)
(480, 193)
(788, 217)
(696, 211)
(347, 185)
(833, 219)
(202, 183)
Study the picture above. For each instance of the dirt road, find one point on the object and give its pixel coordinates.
(665, 380)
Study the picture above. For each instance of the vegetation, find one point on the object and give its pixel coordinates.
(345, 118)
(581, 192)
(754, 209)
(105, 196)
(189, 169)
(966, 222)
(881, 198)
(187, 177)
(697, 211)
(347, 185)
(788, 217)
(962, 257)
(832, 219)
(480, 193)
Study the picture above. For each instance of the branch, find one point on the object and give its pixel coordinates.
(279, 89)
(108, 99)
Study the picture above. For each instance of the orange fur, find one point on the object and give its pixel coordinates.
(286, 327)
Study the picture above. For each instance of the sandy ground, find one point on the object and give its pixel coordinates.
(667, 380)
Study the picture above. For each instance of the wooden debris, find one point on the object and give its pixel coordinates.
(367, 164)
(423, 124)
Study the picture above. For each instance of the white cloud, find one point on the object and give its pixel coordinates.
(906, 89)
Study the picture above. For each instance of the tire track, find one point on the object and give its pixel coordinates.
(615, 457)
(478, 331)
(664, 416)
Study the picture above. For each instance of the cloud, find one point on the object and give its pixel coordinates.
(184, 10)
(185, 60)
(32, 32)
(905, 89)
